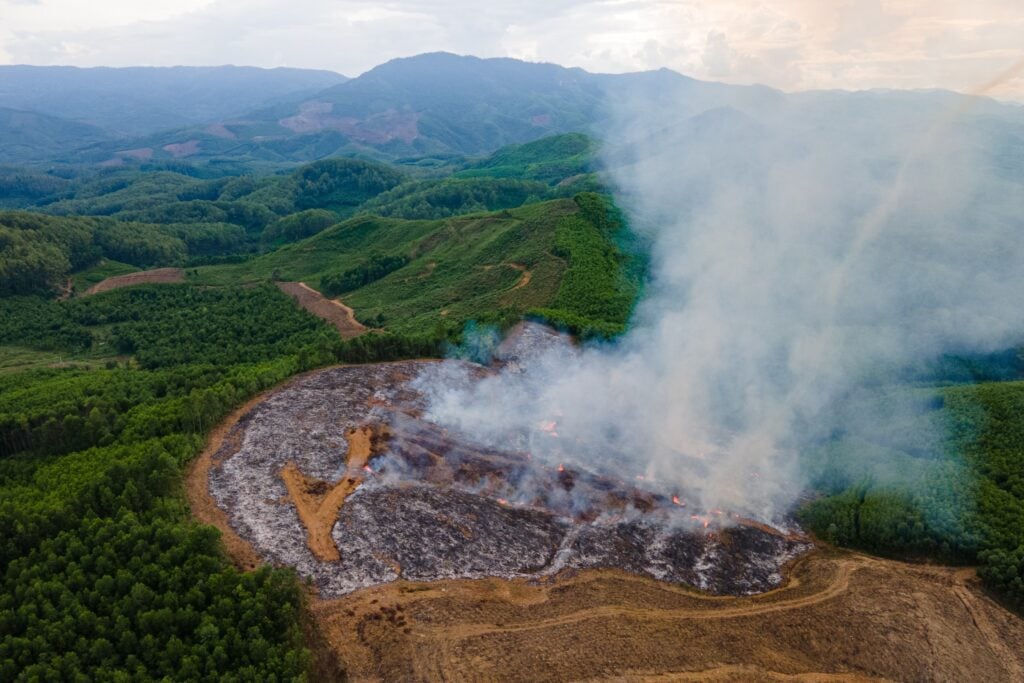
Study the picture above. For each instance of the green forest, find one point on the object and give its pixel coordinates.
(106, 398)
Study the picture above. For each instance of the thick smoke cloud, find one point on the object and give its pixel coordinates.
(802, 247)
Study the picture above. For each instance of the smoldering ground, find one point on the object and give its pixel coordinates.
(804, 247)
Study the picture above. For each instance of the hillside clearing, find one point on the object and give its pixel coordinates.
(145, 277)
(331, 310)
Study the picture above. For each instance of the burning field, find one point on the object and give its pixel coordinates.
(434, 557)
(340, 476)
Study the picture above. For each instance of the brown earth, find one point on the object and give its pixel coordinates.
(318, 502)
(378, 128)
(841, 616)
(219, 130)
(332, 310)
(141, 154)
(157, 276)
(182, 149)
(526, 277)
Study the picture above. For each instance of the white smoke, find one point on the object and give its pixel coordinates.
(802, 246)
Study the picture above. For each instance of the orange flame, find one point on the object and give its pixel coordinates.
(703, 520)
(676, 501)
(503, 501)
(368, 469)
(561, 467)
(549, 426)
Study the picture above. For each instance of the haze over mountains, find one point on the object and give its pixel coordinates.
(432, 106)
(141, 100)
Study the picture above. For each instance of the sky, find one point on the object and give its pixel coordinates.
(960, 45)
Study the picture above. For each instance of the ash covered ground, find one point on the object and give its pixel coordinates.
(421, 504)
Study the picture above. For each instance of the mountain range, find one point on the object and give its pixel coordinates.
(425, 110)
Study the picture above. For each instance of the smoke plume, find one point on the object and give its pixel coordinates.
(803, 247)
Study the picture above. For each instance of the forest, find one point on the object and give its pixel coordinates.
(109, 396)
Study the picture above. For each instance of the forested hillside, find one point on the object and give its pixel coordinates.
(105, 398)
(959, 500)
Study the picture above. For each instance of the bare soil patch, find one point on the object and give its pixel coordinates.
(526, 277)
(841, 617)
(145, 277)
(318, 501)
(331, 310)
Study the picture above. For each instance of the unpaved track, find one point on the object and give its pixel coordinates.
(839, 584)
(743, 674)
(980, 617)
(145, 277)
(332, 310)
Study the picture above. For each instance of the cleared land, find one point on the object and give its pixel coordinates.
(839, 616)
(332, 310)
(145, 277)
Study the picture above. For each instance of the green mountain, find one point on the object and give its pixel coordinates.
(434, 106)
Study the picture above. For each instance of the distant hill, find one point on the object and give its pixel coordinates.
(431, 110)
(437, 105)
(31, 136)
(445, 103)
(141, 100)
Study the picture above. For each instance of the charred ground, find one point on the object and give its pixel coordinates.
(423, 505)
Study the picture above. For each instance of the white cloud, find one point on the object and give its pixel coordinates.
(791, 44)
